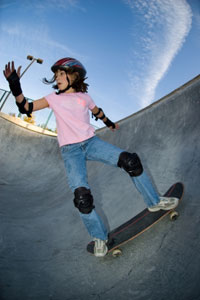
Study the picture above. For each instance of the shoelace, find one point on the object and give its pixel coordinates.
(169, 200)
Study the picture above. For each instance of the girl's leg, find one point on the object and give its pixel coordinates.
(100, 150)
(94, 225)
(145, 187)
(75, 165)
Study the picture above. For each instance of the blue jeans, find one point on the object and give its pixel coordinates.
(95, 149)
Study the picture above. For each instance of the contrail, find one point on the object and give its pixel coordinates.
(165, 26)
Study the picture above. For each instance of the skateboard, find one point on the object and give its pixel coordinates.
(140, 223)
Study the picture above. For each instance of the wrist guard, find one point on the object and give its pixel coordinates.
(109, 123)
(22, 110)
(14, 84)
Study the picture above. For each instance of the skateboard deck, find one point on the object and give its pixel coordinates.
(140, 223)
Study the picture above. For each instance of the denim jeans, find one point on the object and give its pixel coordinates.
(95, 149)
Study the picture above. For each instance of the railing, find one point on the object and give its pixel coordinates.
(42, 118)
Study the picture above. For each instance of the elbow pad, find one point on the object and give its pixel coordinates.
(95, 115)
(22, 110)
(108, 122)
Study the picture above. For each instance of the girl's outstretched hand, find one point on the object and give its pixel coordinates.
(116, 127)
(10, 68)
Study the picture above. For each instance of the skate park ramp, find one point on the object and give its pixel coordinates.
(42, 240)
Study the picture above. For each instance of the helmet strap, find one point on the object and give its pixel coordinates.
(66, 89)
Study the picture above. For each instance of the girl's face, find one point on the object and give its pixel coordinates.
(61, 79)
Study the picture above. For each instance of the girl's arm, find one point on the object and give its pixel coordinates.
(37, 104)
(24, 106)
(99, 114)
(40, 104)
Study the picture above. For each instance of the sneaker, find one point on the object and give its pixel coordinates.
(100, 248)
(165, 203)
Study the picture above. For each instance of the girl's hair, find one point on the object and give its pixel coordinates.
(79, 85)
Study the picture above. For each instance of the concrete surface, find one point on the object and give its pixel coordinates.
(42, 239)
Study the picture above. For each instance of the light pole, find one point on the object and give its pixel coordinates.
(33, 59)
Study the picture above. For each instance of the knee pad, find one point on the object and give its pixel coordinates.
(131, 163)
(83, 200)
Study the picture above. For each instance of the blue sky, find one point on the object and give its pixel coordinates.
(135, 51)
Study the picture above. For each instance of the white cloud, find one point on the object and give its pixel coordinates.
(36, 39)
(56, 5)
(44, 4)
(5, 4)
(165, 24)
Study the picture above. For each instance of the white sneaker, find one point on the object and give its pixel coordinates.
(100, 248)
(166, 203)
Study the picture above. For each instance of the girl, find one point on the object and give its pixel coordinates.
(78, 143)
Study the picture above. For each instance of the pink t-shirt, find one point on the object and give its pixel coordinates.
(72, 116)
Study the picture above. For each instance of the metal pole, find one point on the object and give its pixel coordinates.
(28, 67)
(3, 96)
(49, 117)
(40, 61)
(5, 100)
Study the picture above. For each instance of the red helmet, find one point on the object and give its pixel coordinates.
(69, 64)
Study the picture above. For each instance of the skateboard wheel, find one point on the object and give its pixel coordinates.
(116, 252)
(173, 215)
